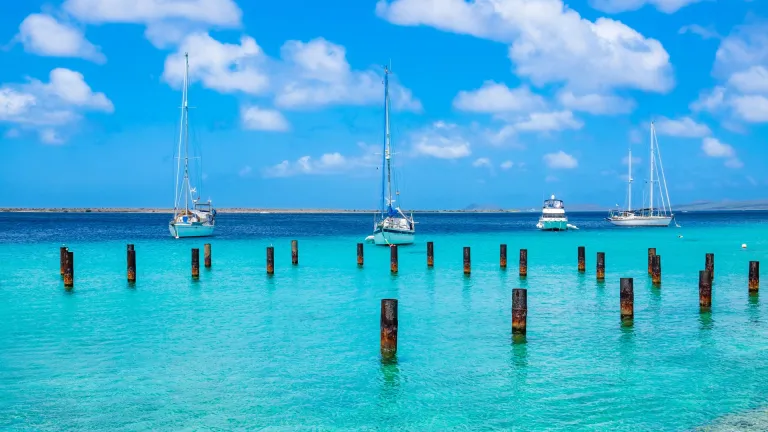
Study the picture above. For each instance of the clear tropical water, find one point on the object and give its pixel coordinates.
(300, 350)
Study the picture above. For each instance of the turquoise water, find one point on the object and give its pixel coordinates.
(300, 350)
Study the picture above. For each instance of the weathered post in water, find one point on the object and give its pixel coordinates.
(69, 270)
(627, 299)
(467, 261)
(195, 263)
(393, 259)
(131, 264)
(601, 266)
(523, 263)
(651, 254)
(519, 311)
(503, 256)
(360, 259)
(582, 265)
(270, 260)
(656, 270)
(62, 260)
(207, 255)
(709, 265)
(295, 252)
(754, 276)
(430, 254)
(705, 290)
(388, 338)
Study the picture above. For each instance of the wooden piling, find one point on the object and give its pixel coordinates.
(705, 290)
(627, 299)
(754, 276)
(651, 254)
(129, 247)
(388, 338)
(69, 270)
(62, 260)
(656, 270)
(393, 259)
(207, 255)
(430, 254)
(195, 263)
(519, 310)
(523, 263)
(503, 256)
(270, 260)
(360, 255)
(131, 264)
(709, 265)
(295, 252)
(601, 266)
(467, 261)
(582, 265)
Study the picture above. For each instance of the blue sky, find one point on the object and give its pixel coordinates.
(495, 101)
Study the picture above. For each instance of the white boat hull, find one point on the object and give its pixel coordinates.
(179, 230)
(553, 225)
(656, 221)
(392, 237)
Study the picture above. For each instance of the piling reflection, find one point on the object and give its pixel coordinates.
(753, 308)
(705, 320)
(389, 376)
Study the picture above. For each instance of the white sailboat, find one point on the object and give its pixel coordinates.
(199, 220)
(652, 215)
(391, 225)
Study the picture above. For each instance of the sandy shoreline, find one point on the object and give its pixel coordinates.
(228, 210)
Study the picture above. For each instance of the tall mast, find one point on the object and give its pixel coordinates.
(178, 153)
(629, 182)
(186, 133)
(387, 141)
(652, 163)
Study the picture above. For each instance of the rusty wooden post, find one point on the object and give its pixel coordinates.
(709, 265)
(503, 256)
(393, 259)
(656, 270)
(651, 254)
(69, 270)
(627, 299)
(601, 266)
(523, 263)
(131, 264)
(207, 255)
(467, 261)
(582, 265)
(519, 310)
(360, 255)
(705, 290)
(754, 276)
(430, 254)
(388, 339)
(62, 260)
(195, 263)
(295, 252)
(270, 260)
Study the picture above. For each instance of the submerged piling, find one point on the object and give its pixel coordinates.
(430, 254)
(754, 276)
(582, 265)
(393, 259)
(295, 252)
(69, 270)
(519, 311)
(195, 263)
(467, 261)
(131, 258)
(709, 265)
(62, 260)
(270, 260)
(656, 270)
(207, 255)
(523, 263)
(601, 266)
(705, 290)
(627, 299)
(388, 339)
(651, 254)
(360, 255)
(503, 256)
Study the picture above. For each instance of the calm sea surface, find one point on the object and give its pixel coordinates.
(238, 350)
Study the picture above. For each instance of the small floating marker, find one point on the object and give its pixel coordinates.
(393, 259)
(743, 245)
(62, 260)
(467, 261)
(709, 265)
(360, 255)
(270, 260)
(131, 258)
(523, 263)
(627, 299)
(430, 254)
(207, 255)
(705, 290)
(656, 274)
(651, 254)
(503, 256)
(295, 252)
(519, 311)
(388, 339)
(601, 266)
(69, 271)
(754, 276)
(195, 263)
(582, 265)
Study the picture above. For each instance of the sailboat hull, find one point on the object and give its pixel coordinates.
(657, 221)
(393, 237)
(180, 230)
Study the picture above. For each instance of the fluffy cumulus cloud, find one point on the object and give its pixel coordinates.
(560, 160)
(42, 34)
(595, 103)
(255, 118)
(328, 163)
(442, 141)
(223, 13)
(494, 98)
(684, 127)
(712, 147)
(615, 6)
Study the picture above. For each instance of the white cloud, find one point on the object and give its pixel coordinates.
(684, 127)
(560, 160)
(245, 171)
(506, 165)
(442, 141)
(328, 163)
(752, 108)
(709, 100)
(712, 147)
(481, 162)
(548, 121)
(255, 118)
(595, 103)
(494, 97)
(752, 80)
(43, 35)
(550, 42)
(745, 47)
(70, 87)
(703, 32)
(223, 13)
(50, 136)
(616, 6)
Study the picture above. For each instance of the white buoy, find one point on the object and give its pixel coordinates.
(743, 245)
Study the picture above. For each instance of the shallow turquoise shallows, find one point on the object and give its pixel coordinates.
(238, 350)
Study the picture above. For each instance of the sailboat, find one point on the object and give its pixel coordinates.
(391, 226)
(652, 215)
(200, 219)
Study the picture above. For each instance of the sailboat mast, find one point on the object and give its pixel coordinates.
(652, 163)
(629, 183)
(387, 141)
(186, 133)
